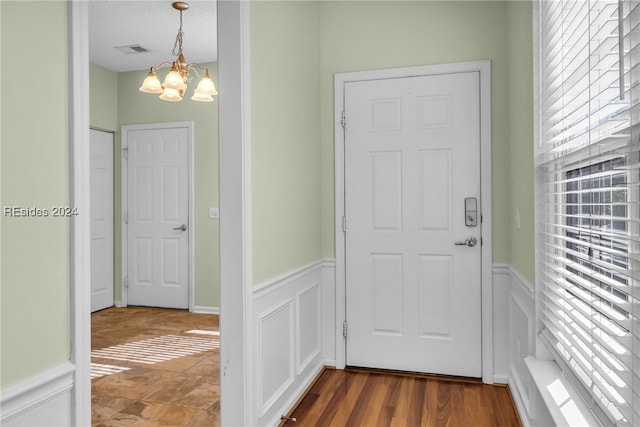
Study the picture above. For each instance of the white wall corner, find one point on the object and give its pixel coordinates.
(43, 399)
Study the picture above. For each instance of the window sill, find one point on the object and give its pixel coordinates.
(563, 402)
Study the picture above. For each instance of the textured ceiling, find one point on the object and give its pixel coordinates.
(152, 24)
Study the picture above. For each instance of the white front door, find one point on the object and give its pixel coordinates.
(157, 216)
(412, 157)
(101, 151)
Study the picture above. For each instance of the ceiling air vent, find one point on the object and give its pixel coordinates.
(131, 49)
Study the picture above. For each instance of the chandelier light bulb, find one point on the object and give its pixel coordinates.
(172, 95)
(201, 97)
(151, 83)
(206, 86)
(174, 80)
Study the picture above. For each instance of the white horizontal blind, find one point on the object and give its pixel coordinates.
(588, 193)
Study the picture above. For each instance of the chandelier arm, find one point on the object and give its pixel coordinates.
(194, 65)
(158, 67)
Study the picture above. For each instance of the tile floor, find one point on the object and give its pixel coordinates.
(155, 367)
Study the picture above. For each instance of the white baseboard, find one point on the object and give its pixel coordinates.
(43, 399)
(118, 304)
(201, 309)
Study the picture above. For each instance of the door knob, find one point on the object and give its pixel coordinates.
(469, 241)
(183, 227)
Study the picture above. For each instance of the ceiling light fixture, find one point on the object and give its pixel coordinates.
(175, 83)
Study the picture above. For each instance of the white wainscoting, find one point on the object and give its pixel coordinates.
(289, 312)
(42, 400)
(501, 287)
(515, 332)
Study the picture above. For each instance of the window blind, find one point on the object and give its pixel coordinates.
(588, 198)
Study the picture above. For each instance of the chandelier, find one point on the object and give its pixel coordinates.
(175, 83)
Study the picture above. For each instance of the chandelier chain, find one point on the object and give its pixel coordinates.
(178, 43)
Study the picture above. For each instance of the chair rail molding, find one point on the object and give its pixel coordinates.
(43, 399)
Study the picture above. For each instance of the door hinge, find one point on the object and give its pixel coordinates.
(126, 281)
(125, 152)
(344, 329)
(126, 218)
(343, 121)
(344, 224)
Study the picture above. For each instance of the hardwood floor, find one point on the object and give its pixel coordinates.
(370, 398)
(154, 367)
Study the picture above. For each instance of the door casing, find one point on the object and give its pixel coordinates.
(124, 203)
(484, 68)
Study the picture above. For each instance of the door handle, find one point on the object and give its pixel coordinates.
(183, 227)
(469, 241)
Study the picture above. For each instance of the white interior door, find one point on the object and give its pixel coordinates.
(157, 216)
(412, 157)
(101, 151)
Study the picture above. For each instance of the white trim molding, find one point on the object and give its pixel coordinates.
(484, 69)
(80, 198)
(288, 349)
(27, 400)
(234, 170)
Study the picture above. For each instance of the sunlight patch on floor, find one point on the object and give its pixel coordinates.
(101, 370)
(158, 349)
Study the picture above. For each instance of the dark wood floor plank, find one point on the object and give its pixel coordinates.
(325, 388)
(444, 404)
(353, 385)
(376, 409)
(330, 393)
(345, 398)
(417, 399)
(359, 409)
(430, 404)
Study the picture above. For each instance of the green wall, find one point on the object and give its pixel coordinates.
(135, 107)
(103, 98)
(521, 173)
(362, 35)
(285, 136)
(35, 301)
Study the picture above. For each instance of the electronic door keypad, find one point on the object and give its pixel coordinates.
(471, 211)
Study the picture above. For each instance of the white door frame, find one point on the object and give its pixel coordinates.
(484, 68)
(235, 215)
(124, 189)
